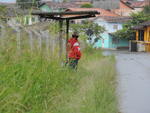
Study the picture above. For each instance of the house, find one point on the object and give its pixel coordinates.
(124, 9)
(102, 12)
(139, 5)
(81, 2)
(112, 22)
(106, 4)
(19, 16)
(56, 6)
(143, 36)
(106, 39)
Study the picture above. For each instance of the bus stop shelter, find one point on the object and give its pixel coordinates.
(65, 16)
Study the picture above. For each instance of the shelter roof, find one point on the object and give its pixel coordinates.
(66, 15)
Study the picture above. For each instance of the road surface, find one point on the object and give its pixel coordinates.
(133, 81)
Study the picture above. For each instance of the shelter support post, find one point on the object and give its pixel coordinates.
(137, 35)
(67, 37)
(60, 37)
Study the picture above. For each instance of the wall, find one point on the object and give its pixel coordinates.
(121, 43)
(45, 8)
(147, 34)
(103, 42)
(108, 26)
(106, 40)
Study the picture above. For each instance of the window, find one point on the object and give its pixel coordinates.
(141, 35)
(115, 27)
(72, 22)
(115, 40)
(33, 19)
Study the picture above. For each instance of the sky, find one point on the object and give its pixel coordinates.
(12, 1)
(9, 1)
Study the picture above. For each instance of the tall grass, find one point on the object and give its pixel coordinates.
(32, 82)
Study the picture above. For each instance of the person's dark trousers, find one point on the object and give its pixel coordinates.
(73, 63)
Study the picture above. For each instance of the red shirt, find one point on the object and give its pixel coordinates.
(74, 49)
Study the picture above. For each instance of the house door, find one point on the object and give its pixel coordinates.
(102, 43)
(141, 35)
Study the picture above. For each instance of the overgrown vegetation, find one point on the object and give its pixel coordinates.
(3, 10)
(137, 18)
(147, 10)
(32, 82)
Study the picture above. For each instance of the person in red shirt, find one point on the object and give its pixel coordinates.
(73, 50)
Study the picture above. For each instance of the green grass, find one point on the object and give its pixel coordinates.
(32, 82)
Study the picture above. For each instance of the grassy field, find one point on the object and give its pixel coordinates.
(32, 82)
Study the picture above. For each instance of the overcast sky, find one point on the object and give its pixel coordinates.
(10, 1)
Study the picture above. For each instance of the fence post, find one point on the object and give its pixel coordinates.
(2, 28)
(40, 39)
(18, 39)
(31, 40)
(60, 37)
(45, 36)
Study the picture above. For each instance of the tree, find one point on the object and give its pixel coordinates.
(28, 3)
(3, 10)
(89, 28)
(86, 6)
(147, 9)
(127, 31)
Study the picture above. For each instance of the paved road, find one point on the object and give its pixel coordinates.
(134, 82)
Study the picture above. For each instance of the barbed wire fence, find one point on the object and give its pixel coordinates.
(33, 38)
